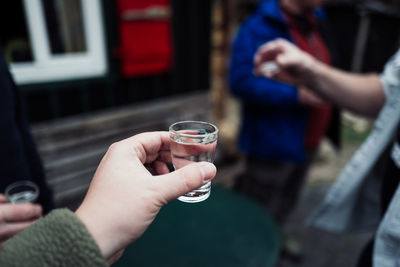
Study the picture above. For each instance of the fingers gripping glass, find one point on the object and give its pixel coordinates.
(193, 141)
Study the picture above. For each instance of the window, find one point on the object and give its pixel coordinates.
(61, 40)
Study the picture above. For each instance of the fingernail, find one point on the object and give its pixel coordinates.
(208, 171)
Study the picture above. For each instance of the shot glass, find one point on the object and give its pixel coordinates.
(193, 141)
(22, 192)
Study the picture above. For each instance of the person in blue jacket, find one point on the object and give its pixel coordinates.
(282, 125)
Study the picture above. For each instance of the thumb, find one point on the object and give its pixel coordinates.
(186, 179)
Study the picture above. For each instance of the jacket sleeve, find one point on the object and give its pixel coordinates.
(245, 85)
(59, 239)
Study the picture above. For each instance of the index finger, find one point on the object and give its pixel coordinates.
(267, 52)
(148, 146)
(20, 212)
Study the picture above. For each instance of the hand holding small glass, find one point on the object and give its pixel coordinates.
(19, 213)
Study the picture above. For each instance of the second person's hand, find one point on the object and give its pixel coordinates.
(293, 63)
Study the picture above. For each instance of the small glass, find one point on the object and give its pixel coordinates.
(193, 141)
(22, 192)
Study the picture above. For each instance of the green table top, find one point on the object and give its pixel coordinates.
(227, 229)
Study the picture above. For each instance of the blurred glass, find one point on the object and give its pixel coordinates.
(14, 37)
(65, 28)
(22, 192)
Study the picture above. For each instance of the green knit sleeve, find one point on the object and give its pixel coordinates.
(59, 239)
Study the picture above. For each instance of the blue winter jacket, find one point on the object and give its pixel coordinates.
(273, 123)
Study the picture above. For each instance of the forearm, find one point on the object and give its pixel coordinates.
(359, 93)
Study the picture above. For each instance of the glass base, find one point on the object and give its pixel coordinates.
(194, 199)
(197, 195)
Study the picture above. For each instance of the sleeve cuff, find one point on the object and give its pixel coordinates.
(59, 239)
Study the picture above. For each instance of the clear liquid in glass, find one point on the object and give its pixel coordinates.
(23, 197)
(187, 149)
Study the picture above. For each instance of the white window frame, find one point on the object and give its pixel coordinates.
(48, 67)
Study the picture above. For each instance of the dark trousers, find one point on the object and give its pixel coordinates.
(365, 258)
(275, 185)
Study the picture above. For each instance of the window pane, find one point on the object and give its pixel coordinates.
(14, 37)
(64, 24)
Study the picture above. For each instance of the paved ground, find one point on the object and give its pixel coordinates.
(321, 249)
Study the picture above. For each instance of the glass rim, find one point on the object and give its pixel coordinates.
(21, 183)
(193, 135)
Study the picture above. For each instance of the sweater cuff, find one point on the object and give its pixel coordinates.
(59, 239)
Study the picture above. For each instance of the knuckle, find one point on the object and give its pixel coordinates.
(28, 209)
(31, 210)
(185, 180)
(114, 146)
(191, 178)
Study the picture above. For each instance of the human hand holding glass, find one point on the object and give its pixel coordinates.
(283, 61)
(124, 197)
(19, 213)
(193, 141)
